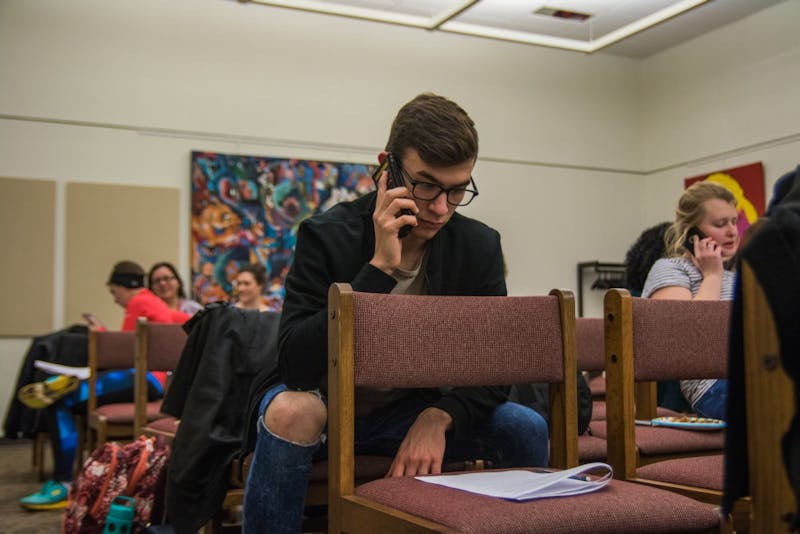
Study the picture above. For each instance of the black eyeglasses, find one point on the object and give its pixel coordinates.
(162, 280)
(456, 196)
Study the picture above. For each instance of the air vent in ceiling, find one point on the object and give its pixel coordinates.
(562, 14)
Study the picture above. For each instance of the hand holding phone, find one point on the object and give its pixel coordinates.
(688, 244)
(394, 179)
(92, 321)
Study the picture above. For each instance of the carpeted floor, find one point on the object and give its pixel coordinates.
(18, 479)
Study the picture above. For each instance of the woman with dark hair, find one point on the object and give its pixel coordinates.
(165, 282)
(250, 284)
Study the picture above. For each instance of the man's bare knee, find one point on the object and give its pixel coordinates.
(296, 416)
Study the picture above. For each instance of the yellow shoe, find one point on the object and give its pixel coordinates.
(40, 395)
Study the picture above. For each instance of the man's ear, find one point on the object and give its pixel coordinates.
(382, 157)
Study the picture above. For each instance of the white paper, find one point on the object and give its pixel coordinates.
(56, 369)
(524, 485)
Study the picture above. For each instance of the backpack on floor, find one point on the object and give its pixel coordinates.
(133, 470)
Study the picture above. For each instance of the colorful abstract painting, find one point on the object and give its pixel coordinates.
(747, 185)
(246, 209)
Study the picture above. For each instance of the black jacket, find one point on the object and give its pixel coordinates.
(225, 349)
(464, 258)
(66, 347)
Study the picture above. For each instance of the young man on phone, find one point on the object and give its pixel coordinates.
(434, 144)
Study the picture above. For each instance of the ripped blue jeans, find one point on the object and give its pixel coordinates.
(514, 436)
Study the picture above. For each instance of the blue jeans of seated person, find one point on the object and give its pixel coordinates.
(514, 436)
(714, 402)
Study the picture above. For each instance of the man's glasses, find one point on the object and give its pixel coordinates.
(162, 280)
(456, 196)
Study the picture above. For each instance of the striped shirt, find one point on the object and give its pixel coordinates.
(681, 272)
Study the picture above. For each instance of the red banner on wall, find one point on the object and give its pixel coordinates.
(747, 185)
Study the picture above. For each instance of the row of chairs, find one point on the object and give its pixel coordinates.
(508, 340)
(153, 347)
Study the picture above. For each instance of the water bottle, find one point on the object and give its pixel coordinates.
(120, 516)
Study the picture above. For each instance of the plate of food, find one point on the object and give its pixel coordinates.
(689, 422)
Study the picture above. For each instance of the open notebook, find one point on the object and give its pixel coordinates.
(522, 485)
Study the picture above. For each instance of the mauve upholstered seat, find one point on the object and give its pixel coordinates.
(167, 424)
(654, 441)
(597, 386)
(604, 511)
(700, 471)
(591, 449)
(122, 412)
(598, 410)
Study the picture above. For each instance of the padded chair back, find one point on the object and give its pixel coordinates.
(679, 339)
(108, 351)
(422, 341)
(403, 341)
(649, 340)
(160, 344)
(158, 348)
(589, 343)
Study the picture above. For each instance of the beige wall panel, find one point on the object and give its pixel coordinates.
(107, 224)
(27, 216)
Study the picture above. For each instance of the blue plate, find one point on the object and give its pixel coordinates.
(689, 423)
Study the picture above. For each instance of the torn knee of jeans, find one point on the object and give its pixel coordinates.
(262, 426)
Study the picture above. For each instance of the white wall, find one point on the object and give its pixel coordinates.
(121, 92)
(728, 98)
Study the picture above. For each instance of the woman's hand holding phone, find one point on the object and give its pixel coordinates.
(706, 255)
(389, 203)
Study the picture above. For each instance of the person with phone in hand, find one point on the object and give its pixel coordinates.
(425, 174)
(701, 245)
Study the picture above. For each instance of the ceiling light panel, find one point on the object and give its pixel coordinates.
(515, 16)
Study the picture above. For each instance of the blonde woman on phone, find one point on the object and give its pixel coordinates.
(701, 246)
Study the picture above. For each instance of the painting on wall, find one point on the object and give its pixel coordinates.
(247, 209)
(747, 185)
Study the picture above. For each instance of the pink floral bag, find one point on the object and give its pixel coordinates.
(136, 470)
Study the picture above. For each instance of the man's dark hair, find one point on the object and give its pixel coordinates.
(437, 128)
(643, 254)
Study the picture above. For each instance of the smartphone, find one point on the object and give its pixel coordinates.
(689, 243)
(395, 179)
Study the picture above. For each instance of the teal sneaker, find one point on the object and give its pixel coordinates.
(52, 496)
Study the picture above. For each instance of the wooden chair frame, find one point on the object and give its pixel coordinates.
(142, 367)
(351, 513)
(770, 408)
(98, 428)
(628, 400)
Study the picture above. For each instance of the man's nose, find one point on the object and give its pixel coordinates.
(439, 204)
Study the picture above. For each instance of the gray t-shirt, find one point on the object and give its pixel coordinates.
(681, 272)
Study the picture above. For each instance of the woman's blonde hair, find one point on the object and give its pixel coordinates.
(690, 212)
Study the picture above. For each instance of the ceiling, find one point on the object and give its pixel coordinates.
(633, 28)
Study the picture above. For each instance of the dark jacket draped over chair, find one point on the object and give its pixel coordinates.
(69, 346)
(225, 349)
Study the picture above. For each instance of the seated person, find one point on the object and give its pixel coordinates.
(698, 267)
(165, 282)
(250, 283)
(435, 145)
(64, 396)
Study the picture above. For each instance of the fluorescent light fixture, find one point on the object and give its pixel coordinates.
(444, 21)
